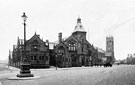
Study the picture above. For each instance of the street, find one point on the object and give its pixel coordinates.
(116, 75)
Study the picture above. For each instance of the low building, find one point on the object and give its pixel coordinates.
(101, 56)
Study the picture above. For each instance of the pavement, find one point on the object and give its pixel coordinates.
(116, 75)
(23, 78)
(0, 83)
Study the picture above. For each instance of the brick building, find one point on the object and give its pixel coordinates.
(75, 50)
(37, 52)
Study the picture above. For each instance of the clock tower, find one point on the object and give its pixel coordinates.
(110, 46)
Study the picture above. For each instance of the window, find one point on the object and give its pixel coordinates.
(35, 42)
(42, 57)
(35, 46)
(72, 47)
(61, 51)
(66, 60)
(63, 59)
(33, 57)
(109, 43)
(46, 58)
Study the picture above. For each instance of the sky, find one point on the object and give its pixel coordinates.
(100, 18)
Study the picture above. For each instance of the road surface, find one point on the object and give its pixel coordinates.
(116, 75)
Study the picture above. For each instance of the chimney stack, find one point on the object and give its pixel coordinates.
(47, 42)
(60, 37)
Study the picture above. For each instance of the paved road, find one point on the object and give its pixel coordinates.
(116, 75)
(0, 83)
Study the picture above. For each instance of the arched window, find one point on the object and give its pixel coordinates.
(72, 47)
(35, 45)
(35, 42)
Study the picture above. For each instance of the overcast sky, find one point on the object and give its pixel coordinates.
(49, 17)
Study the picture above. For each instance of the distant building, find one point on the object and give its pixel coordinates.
(130, 59)
(110, 48)
(101, 53)
(101, 56)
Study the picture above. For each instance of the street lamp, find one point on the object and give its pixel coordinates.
(25, 65)
(56, 61)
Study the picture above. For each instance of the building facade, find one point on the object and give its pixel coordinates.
(37, 52)
(75, 50)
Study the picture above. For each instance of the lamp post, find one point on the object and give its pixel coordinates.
(56, 61)
(25, 65)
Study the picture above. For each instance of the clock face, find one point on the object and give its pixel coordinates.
(109, 48)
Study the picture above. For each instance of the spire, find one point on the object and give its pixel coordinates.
(35, 33)
(79, 27)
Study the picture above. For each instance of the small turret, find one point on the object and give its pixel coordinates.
(79, 27)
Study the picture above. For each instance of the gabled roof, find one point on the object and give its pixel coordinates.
(101, 50)
(87, 42)
(35, 37)
(71, 37)
(61, 44)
